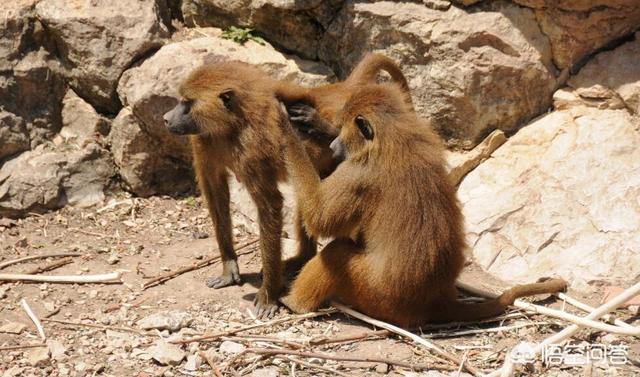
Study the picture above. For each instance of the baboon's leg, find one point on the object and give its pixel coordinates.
(215, 189)
(307, 248)
(269, 201)
(328, 276)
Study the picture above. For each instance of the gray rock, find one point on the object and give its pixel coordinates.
(172, 321)
(31, 92)
(266, 372)
(47, 178)
(38, 357)
(56, 349)
(623, 80)
(559, 198)
(12, 328)
(600, 22)
(295, 25)
(100, 39)
(80, 121)
(470, 72)
(231, 348)
(193, 362)
(166, 353)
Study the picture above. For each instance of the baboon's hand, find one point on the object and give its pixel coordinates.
(303, 114)
(265, 306)
(230, 276)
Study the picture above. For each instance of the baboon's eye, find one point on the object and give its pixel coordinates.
(226, 97)
(364, 127)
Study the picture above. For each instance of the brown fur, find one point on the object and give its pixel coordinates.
(396, 223)
(243, 136)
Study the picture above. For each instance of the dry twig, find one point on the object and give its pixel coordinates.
(170, 275)
(316, 366)
(274, 352)
(113, 277)
(482, 331)
(50, 266)
(89, 233)
(586, 308)
(212, 337)
(12, 348)
(559, 338)
(320, 340)
(34, 319)
(211, 363)
(102, 327)
(33, 257)
(432, 346)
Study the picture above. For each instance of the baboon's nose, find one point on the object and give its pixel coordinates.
(166, 118)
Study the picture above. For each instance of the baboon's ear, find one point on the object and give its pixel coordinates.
(227, 96)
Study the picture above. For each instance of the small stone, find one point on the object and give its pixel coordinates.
(56, 349)
(93, 293)
(610, 339)
(172, 321)
(265, 372)
(38, 356)
(231, 347)
(382, 368)
(166, 353)
(49, 306)
(80, 366)
(193, 362)
(12, 328)
(113, 259)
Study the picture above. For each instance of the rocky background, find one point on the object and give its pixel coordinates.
(538, 101)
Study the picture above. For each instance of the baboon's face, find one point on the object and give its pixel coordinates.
(355, 139)
(209, 104)
(179, 120)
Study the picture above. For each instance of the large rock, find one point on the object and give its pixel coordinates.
(31, 92)
(44, 179)
(617, 70)
(295, 25)
(143, 149)
(576, 28)
(470, 72)
(145, 165)
(560, 197)
(97, 40)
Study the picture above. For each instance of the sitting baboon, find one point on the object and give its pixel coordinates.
(394, 216)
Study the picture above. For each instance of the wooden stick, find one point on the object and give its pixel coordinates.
(34, 319)
(585, 322)
(48, 267)
(170, 275)
(11, 348)
(33, 257)
(91, 233)
(587, 308)
(258, 338)
(315, 366)
(102, 327)
(559, 338)
(320, 340)
(211, 337)
(113, 277)
(432, 346)
(275, 352)
(482, 331)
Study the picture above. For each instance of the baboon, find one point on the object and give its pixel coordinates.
(231, 113)
(394, 216)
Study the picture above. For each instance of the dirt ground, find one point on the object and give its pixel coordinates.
(99, 332)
